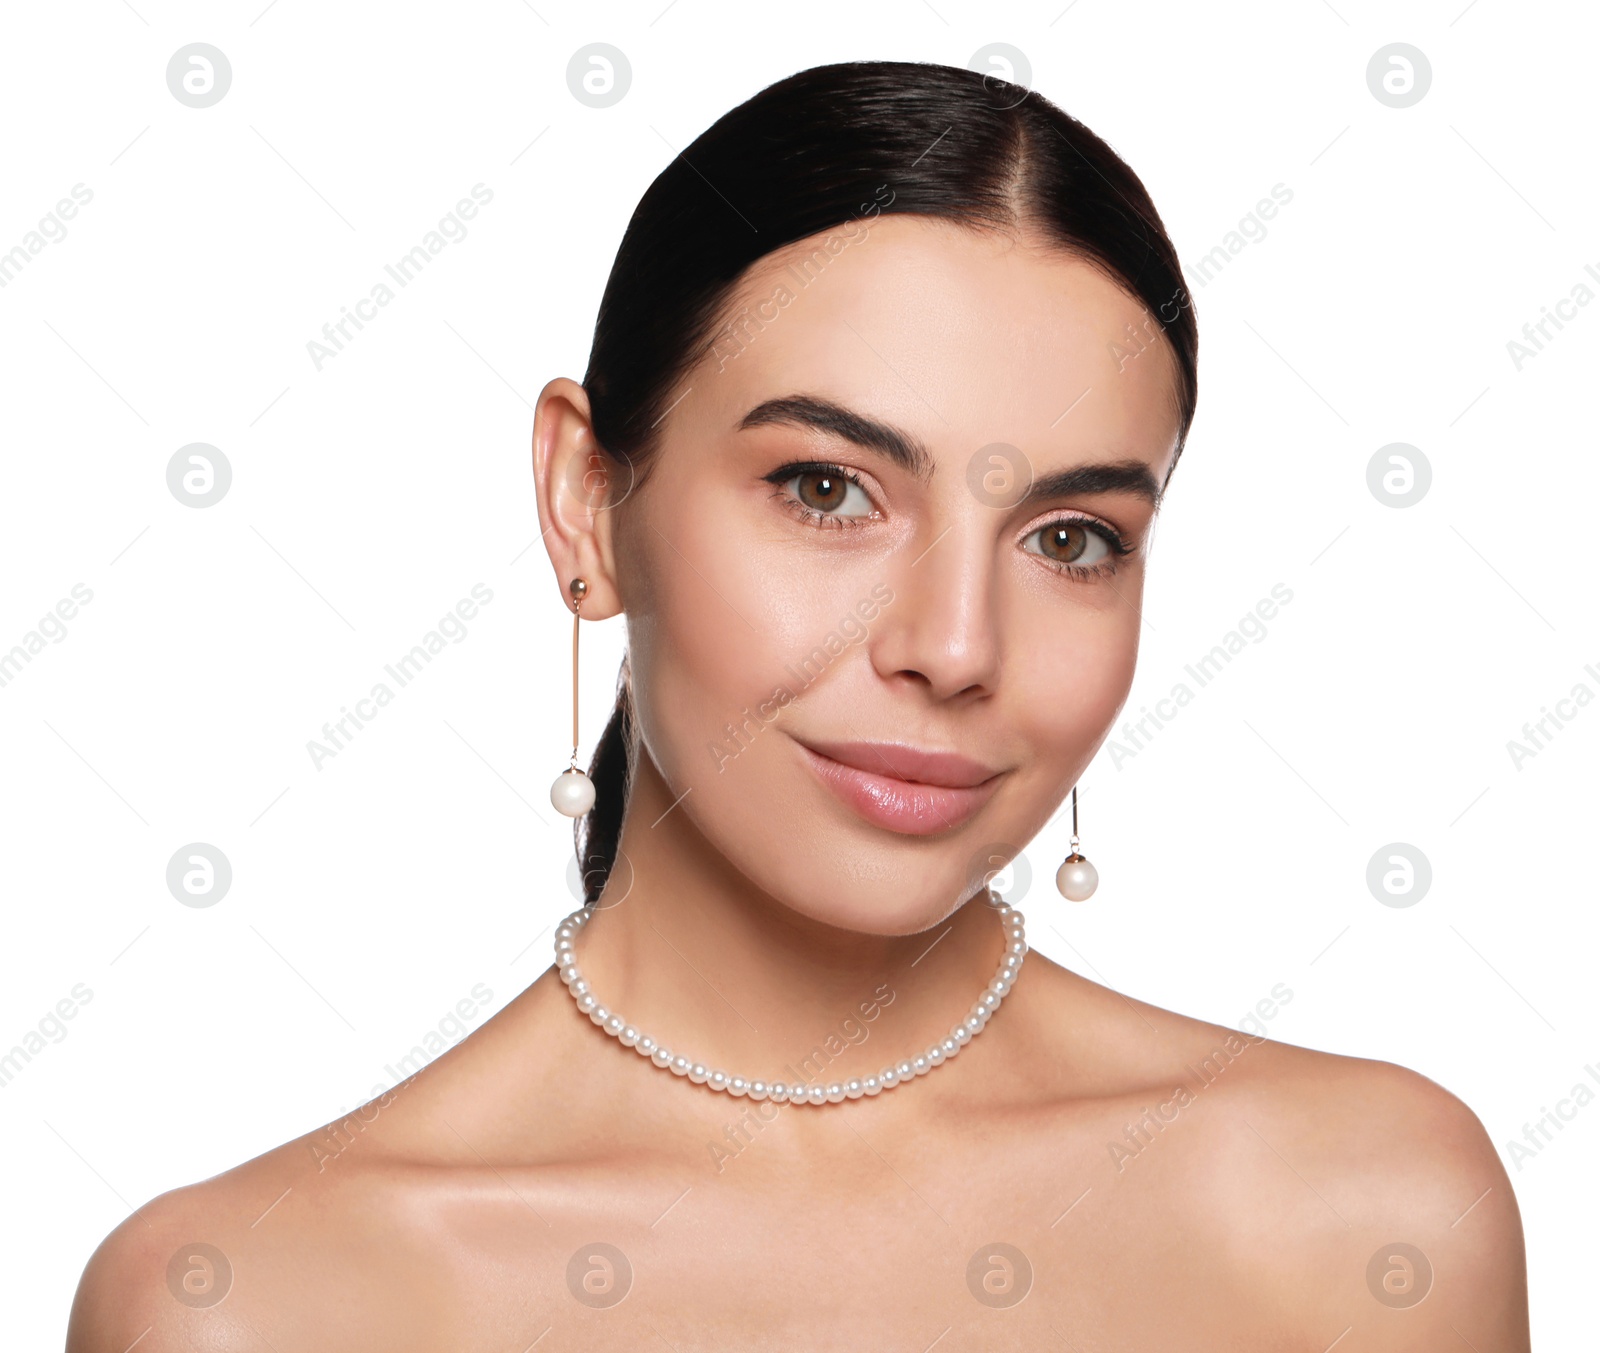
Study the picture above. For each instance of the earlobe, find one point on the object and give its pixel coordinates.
(572, 480)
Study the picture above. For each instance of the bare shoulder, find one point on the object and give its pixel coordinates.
(278, 1251)
(1412, 1232)
(1351, 1192)
(361, 1233)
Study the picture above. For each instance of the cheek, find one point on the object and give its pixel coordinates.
(712, 633)
(1069, 680)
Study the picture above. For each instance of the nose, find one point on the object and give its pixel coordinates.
(940, 631)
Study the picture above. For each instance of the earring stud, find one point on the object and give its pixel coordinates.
(572, 794)
(1077, 878)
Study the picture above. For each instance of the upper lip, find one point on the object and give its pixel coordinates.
(900, 761)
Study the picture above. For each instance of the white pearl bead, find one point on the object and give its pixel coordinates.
(854, 1089)
(614, 1026)
(1017, 947)
(698, 1072)
(759, 1090)
(961, 1034)
(587, 1002)
(572, 794)
(680, 1066)
(949, 1046)
(580, 986)
(778, 1092)
(646, 1045)
(933, 1056)
(817, 1094)
(628, 1036)
(835, 1092)
(871, 1085)
(907, 1068)
(1077, 880)
(973, 1024)
(889, 1077)
(738, 1085)
(661, 1056)
(599, 1015)
(1013, 917)
(570, 973)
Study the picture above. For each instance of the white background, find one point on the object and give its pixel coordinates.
(369, 896)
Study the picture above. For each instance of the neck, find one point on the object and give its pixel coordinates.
(687, 949)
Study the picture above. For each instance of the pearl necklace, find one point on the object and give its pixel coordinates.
(782, 1091)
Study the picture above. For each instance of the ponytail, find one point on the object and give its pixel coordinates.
(598, 832)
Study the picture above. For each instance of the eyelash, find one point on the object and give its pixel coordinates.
(780, 477)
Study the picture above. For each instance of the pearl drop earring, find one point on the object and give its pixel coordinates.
(1077, 878)
(572, 794)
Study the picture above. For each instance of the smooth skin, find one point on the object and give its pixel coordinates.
(1167, 1183)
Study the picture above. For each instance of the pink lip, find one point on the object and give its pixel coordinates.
(901, 788)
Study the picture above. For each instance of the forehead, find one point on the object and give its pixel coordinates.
(961, 336)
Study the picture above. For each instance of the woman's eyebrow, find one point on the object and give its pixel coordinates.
(1123, 476)
(809, 411)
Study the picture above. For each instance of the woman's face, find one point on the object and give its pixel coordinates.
(850, 535)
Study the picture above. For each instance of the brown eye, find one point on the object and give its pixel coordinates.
(828, 493)
(1070, 542)
(820, 491)
(1064, 543)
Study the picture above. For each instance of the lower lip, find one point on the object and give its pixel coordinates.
(900, 805)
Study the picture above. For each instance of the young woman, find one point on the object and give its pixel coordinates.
(890, 377)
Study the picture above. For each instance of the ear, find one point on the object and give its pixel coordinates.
(573, 481)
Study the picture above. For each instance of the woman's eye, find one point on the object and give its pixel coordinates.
(829, 493)
(1075, 545)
